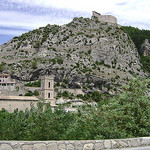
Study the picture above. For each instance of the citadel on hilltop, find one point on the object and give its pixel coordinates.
(104, 18)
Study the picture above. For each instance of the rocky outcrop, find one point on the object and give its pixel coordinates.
(95, 54)
(145, 48)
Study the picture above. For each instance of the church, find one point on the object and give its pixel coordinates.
(11, 103)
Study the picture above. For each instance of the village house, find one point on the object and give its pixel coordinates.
(6, 83)
(11, 103)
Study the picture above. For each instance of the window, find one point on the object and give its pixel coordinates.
(49, 84)
(49, 95)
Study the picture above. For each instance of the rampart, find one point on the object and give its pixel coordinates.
(104, 18)
(74, 145)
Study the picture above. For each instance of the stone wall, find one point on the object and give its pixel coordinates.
(104, 18)
(10, 106)
(72, 91)
(74, 145)
(10, 103)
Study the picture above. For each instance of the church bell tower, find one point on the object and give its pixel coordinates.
(47, 89)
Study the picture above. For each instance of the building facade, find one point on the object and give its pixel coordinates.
(6, 83)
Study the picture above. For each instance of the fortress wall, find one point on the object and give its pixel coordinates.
(104, 18)
(108, 18)
(74, 145)
(96, 14)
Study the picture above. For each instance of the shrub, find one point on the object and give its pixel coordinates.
(33, 84)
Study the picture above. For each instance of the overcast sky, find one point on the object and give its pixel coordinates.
(20, 16)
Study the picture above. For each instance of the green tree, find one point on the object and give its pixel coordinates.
(34, 64)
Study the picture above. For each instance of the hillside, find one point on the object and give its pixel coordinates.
(139, 36)
(84, 53)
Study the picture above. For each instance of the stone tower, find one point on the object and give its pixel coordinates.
(47, 89)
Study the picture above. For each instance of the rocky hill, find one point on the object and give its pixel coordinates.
(84, 53)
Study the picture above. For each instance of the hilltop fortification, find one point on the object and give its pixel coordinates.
(104, 18)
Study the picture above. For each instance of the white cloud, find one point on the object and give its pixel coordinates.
(43, 12)
(27, 21)
(11, 32)
(127, 10)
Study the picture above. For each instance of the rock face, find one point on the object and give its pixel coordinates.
(94, 54)
(145, 48)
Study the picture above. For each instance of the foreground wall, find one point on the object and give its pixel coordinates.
(74, 145)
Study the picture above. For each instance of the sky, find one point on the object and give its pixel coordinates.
(20, 16)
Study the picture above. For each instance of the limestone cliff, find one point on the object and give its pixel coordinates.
(85, 52)
(145, 48)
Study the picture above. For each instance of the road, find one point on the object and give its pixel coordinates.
(137, 148)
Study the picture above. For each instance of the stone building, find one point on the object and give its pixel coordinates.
(11, 103)
(6, 83)
(104, 18)
(47, 89)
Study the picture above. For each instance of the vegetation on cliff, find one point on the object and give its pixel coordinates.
(138, 36)
(124, 116)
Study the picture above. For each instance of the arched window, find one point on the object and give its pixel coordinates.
(49, 95)
(49, 84)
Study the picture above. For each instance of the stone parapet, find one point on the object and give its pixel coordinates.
(74, 145)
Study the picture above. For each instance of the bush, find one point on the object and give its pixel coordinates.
(34, 64)
(124, 116)
(33, 84)
(30, 93)
(2, 66)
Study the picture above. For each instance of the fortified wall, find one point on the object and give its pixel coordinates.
(104, 18)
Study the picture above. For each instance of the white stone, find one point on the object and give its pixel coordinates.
(99, 146)
(27, 147)
(134, 143)
(114, 144)
(78, 145)
(107, 144)
(52, 146)
(40, 146)
(122, 144)
(62, 147)
(70, 147)
(88, 146)
(5, 147)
